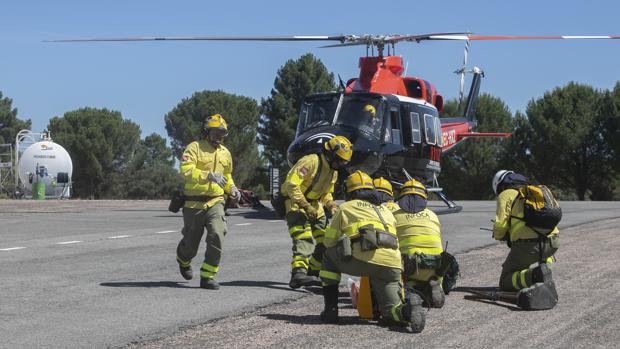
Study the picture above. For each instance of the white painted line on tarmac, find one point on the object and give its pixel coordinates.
(277, 220)
(165, 232)
(68, 242)
(12, 248)
(243, 224)
(119, 237)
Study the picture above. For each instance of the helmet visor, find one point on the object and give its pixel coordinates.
(217, 135)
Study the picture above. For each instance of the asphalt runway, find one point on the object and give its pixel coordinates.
(102, 274)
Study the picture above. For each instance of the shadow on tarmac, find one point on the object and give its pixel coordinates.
(265, 284)
(147, 284)
(314, 319)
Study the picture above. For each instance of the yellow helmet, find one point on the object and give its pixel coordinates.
(358, 180)
(215, 121)
(340, 146)
(383, 185)
(413, 187)
(369, 108)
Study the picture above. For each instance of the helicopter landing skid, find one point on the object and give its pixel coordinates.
(451, 206)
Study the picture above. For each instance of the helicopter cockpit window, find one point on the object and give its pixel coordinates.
(416, 136)
(429, 129)
(361, 113)
(438, 132)
(316, 113)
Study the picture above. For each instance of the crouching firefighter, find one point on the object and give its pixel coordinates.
(529, 243)
(308, 188)
(206, 166)
(361, 240)
(419, 239)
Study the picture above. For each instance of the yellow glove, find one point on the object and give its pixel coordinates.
(331, 206)
(311, 212)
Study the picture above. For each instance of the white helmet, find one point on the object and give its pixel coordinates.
(498, 178)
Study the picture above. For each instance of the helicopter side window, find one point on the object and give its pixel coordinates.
(395, 126)
(429, 129)
(416, 135)
(438, 132)
(405, 122)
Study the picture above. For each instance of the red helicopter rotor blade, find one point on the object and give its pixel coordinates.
(340, 38)
(517, 37)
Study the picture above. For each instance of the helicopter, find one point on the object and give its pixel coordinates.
(392, 120)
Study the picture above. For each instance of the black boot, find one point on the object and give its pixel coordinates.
(438, 297)
(300, 278)
(209, 284)
(412, 311)
(542, 273)
(186, 272)
(330, 295)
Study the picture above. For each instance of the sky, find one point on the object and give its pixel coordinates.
(145, 80)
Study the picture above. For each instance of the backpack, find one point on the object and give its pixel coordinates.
(540, 209)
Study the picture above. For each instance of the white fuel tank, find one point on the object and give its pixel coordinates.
(47, 162)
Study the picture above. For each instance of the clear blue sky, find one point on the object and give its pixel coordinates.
(146, 80)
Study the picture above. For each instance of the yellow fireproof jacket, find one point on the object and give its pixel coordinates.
(418, 232)
(391, 205)
(353, 214)
(516, 228)
(301, 176)
(200, 158)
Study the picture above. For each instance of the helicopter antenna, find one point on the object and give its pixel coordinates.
(406, 67)
(342, 85)
(461, 72)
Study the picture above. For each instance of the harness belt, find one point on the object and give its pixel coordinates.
(201, 198)
(530, 240)
(380, 240)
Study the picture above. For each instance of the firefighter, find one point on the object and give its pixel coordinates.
(308, 188)
(361, 240)
(527, 245)
(206, 166)
(419, 240)
(384, 187)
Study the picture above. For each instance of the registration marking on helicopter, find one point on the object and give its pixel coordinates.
(11, 248)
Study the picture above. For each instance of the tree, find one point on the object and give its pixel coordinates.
(151, 173)
(10, 125)
(184, 123)
(294, 81)
(566, 141)
(467, 170)
(101, 144)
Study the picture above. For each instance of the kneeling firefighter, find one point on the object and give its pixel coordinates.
(528, 244)
(361, 240)
(419, 239)
(308, 188)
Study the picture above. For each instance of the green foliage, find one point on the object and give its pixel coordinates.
(151, 173)
(101, 144)
(294, 81)
(567, 140)
(10, 125)
(184, 124)
(467, 170)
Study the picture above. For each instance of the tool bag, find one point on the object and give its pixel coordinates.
(177, 201)
(449, 269)
(540, 296)
(371, 239)
(540, 209)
